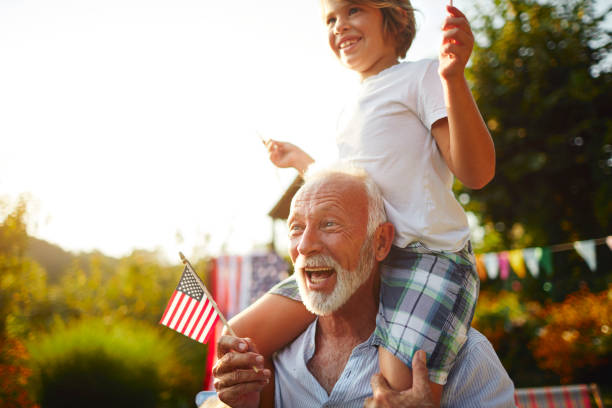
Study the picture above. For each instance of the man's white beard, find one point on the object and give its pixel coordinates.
(347, 282)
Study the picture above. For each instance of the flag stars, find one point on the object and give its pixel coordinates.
(189, 285)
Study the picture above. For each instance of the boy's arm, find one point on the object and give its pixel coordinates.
(463, 139)
(273, 321)
(285, 154)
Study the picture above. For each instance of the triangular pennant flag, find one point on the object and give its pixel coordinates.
(586, 249)
(546, 261)
(532, 258)
(609, 242)
(492, 264)
(516, 261)
(480, 267)
(504, 265)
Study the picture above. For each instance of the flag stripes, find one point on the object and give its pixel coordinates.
(189, 310)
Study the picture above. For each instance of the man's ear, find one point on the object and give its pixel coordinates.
(383, 239)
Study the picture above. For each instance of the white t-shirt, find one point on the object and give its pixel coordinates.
(386, 129)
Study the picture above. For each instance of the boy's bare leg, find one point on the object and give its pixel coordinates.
(272, 322)
(399, 375)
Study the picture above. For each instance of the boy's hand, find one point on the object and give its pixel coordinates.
(285, 154)
(457, 44)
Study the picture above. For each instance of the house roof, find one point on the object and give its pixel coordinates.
(281, 209)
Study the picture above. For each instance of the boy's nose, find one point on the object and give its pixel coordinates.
(341, 26)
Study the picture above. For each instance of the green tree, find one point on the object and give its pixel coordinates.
(539, 76)
(22, 294)
(134, 288)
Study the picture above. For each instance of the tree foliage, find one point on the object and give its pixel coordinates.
(22, 291)
(539, 78)
(580, 330)
(120, 297)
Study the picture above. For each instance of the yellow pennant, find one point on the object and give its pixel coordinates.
(516, 262)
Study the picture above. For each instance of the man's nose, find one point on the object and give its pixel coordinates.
(310, 243)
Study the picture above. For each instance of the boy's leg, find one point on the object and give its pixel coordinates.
(272, 322)
(399, 375)
(427, 300)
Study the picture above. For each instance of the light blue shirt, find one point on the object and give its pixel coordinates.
(476, 380)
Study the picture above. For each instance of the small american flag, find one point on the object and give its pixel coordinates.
(189, 310)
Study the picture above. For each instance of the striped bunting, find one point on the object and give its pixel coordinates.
(564, 396)
(189, 310)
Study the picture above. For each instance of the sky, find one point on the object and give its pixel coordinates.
(132, 124)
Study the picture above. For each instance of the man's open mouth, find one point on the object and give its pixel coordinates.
(318, 274)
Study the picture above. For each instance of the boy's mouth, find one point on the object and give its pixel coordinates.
(347, 44)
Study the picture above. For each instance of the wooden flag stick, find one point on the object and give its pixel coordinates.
(263, 140)
(208, 295)
(211, 299)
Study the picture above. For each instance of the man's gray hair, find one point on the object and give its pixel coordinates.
(376, 205)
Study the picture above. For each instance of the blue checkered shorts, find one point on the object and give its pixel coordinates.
(427, 302)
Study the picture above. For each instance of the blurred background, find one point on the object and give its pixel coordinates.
(129, 131)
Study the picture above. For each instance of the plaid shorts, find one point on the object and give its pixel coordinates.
(427, 302)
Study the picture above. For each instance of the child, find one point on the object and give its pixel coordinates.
(412, 126)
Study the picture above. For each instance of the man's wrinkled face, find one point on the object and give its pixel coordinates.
(328, 242)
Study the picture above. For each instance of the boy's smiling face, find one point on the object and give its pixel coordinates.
(355, 33)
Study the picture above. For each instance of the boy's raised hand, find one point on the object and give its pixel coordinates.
(457, 44)
(285, 154)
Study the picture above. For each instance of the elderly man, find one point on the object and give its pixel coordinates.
(338, 236)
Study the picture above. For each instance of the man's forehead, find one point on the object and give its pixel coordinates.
(334, 190)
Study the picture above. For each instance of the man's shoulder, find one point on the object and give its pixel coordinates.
(476, 339)
(478, 351)
(478, 377)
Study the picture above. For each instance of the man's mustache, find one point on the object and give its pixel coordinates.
(315, 261)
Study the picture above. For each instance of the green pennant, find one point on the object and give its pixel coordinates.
(546, 261)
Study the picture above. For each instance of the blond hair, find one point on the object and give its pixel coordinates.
(398, 21)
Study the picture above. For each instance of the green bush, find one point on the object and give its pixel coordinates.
(99, 363)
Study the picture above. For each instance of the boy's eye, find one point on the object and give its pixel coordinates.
(331, 20)
(353, 10)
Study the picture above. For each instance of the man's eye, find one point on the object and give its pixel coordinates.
(295, 228)
(329, 224)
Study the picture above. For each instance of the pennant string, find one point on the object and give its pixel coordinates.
(497, 263)
(570, 245)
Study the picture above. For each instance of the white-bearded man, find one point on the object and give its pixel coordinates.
(338, 236)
